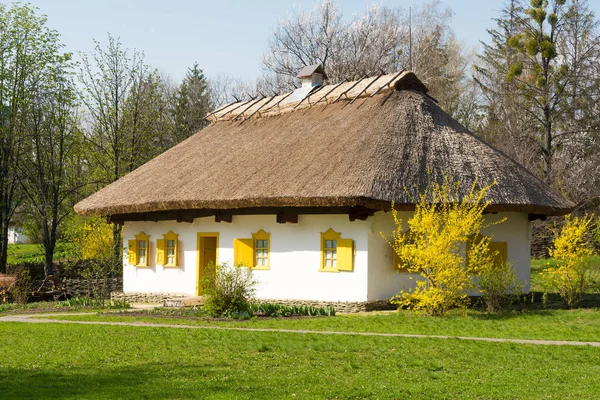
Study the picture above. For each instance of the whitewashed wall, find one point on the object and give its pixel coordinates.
(295, 257)
(384, 281)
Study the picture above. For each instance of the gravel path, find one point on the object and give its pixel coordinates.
(39, 319)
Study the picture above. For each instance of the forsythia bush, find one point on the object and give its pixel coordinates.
(95, 239)
(434, 247)
(574, 274)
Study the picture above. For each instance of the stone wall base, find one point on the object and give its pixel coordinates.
(141, 297)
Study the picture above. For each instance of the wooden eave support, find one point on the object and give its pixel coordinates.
(223, 218)
(360, 213)
(287, 218)
(180, 218)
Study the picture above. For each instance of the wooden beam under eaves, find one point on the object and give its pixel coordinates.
(223, 218)
(287, 218)
(360, 213)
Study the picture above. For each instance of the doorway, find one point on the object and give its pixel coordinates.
(207, 253)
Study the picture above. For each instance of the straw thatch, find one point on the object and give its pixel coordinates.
(330, 154)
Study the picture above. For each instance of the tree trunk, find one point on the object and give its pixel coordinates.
(3, 245)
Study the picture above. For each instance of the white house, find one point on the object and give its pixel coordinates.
(301, 189)
(15, 236)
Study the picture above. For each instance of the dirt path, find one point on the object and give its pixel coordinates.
(38, 319)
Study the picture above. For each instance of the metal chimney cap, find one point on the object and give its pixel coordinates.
(312, 69)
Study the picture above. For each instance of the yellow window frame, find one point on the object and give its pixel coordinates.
(344, 252)
(140, 237)
(162, 250)
(261, 235)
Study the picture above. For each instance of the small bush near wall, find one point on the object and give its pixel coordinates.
(228, 290)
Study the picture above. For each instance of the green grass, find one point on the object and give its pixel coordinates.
(21, 253)
(577, 325)
(105, 362)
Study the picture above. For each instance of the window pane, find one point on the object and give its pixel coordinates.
(334, 262)
(142, 244)
(333, 244)
(334, 254)
(170, 243)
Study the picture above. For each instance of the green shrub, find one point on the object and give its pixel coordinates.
(499, 286)
(87, 302)
(281, 310)
(227, 290)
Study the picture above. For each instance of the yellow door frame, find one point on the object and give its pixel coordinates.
(200, 261)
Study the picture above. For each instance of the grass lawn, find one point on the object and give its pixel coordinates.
(576, 325)
(81, 361)
(20, 253)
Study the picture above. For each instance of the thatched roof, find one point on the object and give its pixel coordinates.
(331, 154)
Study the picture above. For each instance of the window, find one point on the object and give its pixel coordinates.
(498, 249)
(138, 250)
(337, 254)
(253, 252)
(261, 241)
(167, 250)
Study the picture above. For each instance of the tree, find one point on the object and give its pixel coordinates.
(192, 103)
(538, 76)
(27, 48)
(113, 81)
(434, 247)
(49, 170)
(383, 39)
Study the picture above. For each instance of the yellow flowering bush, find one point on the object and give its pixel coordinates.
(435, 247)
(573, 274)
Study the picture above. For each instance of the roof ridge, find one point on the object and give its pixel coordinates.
(326, 94)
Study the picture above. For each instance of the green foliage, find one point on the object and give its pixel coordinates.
(227, 290)
(498, 285)
(574, 273)
(281, 310)
(434, 247)
(88, 302)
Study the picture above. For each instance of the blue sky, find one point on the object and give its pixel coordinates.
(222, 36)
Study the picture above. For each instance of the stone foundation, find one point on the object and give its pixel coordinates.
(140, 297)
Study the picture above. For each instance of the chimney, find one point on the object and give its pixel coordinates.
(311, 76)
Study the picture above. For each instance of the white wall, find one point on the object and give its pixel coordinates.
(16, 237)
(295, 257)
(384, 281)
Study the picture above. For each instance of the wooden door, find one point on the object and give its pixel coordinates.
(207, 255)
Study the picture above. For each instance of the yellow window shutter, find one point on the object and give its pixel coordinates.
(501, 251)
(132, 252)
(160, 251)
(243, 252)
(345, 255)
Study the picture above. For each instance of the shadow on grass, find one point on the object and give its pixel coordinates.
(143, 381)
